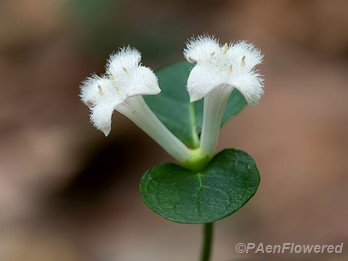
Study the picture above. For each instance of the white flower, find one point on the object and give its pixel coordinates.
(121, 89)
(230, 65)
(218, 70)
(124, 78)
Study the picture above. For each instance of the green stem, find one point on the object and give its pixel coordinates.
(207, 242)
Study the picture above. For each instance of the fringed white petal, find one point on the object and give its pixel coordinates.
(89, 89)
(140, 81)
(122, 61)
(100, 90)
(245, 55)
(102, 97)
(101, 117)
(201, 48)
(250, 86)
(202, 79)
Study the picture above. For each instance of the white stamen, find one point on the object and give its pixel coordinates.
(211, 56)
(242, 63)
(89, 104)
(100, 90)
(225, 48)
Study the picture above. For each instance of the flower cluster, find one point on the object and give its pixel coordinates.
(218, 70)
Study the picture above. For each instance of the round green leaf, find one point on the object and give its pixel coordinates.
(172, 105)
(180, 195)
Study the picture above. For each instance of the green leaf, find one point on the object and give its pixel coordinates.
(172, 106)
(180, 195)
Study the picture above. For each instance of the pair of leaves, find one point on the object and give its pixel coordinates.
(181, 195)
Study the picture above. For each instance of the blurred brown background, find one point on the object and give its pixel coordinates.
(68, 193)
